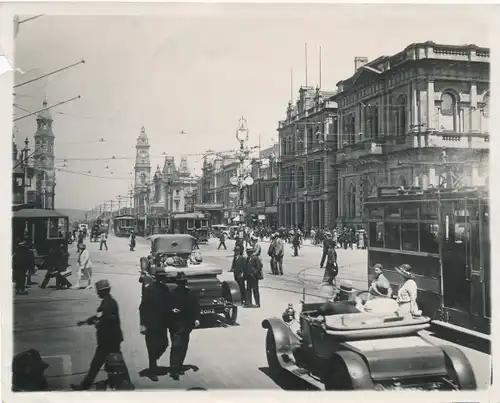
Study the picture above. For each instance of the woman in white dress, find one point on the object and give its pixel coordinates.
(84, 268)
(407, 293)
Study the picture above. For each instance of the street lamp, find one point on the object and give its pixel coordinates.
(244, 178)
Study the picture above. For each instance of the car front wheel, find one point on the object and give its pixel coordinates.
(272, 356)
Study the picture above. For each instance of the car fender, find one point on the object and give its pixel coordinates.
(354, 368)
(230, 289)
(459, 367)
(285, 340)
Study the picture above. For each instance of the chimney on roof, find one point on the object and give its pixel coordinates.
(359, 61)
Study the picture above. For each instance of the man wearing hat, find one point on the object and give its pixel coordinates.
(109, 333)
(155, 313)
(407, 293)
(341, 300)
(238, 268)
(186, 317)
(253, 274)
(327, 244)
(279, 251)
(23, 262)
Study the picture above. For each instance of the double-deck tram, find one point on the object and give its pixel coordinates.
(123, 225)
(444, 235)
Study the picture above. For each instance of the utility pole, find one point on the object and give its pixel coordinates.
(25, 163)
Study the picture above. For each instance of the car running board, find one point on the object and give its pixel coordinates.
(304, 375)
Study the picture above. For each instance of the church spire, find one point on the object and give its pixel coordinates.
(45, 114)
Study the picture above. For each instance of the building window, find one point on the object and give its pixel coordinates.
(400, 116)
(177, 205)
(351, 201)
(177, 192)
(448, 119)
(351, 129)
(372, 122)
(300, 178)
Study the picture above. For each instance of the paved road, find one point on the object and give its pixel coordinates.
(231, 357)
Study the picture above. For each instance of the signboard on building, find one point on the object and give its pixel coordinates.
(262, 217)
(208, 206)
(226, 214)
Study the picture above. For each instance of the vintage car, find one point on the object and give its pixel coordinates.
(173, 253)
(364, 351)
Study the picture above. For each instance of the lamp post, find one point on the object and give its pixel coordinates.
(243, 179)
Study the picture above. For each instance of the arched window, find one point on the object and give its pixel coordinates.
(486, 107)
(351, 201)
(373, 122)
(317, 173)
(400, 116)
(143, 178)
(310, 138)
(300, 178)
(402, 181)
(448, 112)
(351, 130)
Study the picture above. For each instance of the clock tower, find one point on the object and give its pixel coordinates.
(142, 171)
(44, 159)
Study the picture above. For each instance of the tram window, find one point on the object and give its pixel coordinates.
(429, 241)
(376, 234)
(410, 212)
(392, 212)
(53, 228)
(376, 212)
(393, 236)
(409, 236)
(429, 211)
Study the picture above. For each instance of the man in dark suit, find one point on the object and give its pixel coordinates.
(238, 268)
(186, 317)
(341, 302)
(155, 317)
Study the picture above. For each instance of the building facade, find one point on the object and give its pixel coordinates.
(307, 139)
(262, 204)
(399, 115)
(179, 183)
(24, 185)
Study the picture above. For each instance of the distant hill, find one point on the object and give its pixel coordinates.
(73, 214)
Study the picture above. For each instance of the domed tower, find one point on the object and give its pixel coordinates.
(142, 169)
(44, 159)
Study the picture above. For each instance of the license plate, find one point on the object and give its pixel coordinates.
(207, 311)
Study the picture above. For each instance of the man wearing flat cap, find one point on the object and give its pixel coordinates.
(109, 333)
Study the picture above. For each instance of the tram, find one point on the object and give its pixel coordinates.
(123, 225)
(42, 230)
(444, 235)
(188, 223)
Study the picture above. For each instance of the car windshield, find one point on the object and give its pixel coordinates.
(172, 245)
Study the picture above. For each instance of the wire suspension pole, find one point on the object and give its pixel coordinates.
(49, 74)
(47, 108)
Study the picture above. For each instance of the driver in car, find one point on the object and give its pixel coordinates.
(340, 301)
(379, 300)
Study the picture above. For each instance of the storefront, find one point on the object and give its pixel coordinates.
(271, 214)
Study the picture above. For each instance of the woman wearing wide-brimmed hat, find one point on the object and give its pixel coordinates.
(407, 293)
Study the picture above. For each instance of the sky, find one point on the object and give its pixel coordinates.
(199, 72)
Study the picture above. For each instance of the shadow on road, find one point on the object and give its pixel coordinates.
(211, 321)
(162, 371)
(287, 381)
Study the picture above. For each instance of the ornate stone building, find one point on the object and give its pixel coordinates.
(178, 183)
(399, 115)
(263, 194)
(307, 145)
